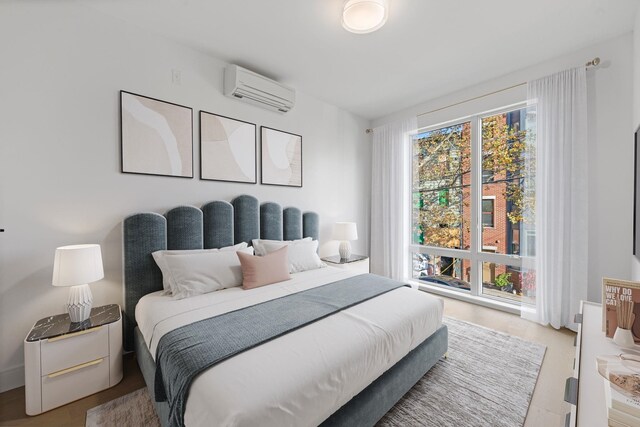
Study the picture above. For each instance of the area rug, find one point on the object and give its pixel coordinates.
(487, 380)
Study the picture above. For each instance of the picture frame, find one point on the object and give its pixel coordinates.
(228, 149)
(281, 158)
(613, 292)
(156, 136)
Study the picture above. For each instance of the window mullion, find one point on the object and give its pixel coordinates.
(476, 203)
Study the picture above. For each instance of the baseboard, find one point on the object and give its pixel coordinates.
(12, 378)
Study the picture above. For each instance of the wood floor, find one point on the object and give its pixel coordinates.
(547, 406)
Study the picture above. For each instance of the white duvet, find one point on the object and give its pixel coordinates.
(304, 376)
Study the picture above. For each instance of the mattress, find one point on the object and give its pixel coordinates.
(301, 378)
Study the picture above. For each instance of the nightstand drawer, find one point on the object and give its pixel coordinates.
(74, 383)
(74, 349)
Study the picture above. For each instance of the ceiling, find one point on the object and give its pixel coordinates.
(427, 48)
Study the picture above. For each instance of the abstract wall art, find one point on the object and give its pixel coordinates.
(227, 149)
(281, 158)
(156, 136)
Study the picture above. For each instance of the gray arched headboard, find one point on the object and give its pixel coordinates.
(215, 225)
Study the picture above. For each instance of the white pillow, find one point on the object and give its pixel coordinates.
(159, 258)
(191, 274)
(302, 255)
(258, 244)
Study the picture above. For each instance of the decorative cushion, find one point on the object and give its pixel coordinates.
(258, 244)
(159, 258)
(303, 254)
(264, 270)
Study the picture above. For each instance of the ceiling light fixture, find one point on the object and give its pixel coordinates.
(364, 16)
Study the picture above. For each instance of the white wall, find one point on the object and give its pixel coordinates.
(610, 143)
(62, 68)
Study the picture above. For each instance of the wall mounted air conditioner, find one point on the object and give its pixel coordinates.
(253, 88)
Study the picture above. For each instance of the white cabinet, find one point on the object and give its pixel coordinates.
(586, 389)
(67, 361)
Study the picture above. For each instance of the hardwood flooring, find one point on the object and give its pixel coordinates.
(547, 406)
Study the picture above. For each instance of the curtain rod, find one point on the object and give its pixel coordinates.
(593, 63)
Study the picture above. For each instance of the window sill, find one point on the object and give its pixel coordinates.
(484, 301)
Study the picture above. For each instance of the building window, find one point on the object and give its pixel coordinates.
(472, 200)
(487, 176)
(488, 211)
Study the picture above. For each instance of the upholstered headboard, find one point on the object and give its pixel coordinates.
(215, 225)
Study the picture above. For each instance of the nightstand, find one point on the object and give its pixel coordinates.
(66, 361)
(359, 263)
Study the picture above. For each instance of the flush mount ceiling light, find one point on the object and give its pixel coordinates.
(364, 16)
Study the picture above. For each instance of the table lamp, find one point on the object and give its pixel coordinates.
(77, 266)
(345, 232)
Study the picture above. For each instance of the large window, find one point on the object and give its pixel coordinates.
(473, 197)
(441, 183)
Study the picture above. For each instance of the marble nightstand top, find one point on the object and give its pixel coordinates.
(335, 259)
(60, 324)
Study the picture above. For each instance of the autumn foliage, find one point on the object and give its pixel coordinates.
(442, 178)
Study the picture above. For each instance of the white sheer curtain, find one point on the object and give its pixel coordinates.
(560, 102)
(389, 198)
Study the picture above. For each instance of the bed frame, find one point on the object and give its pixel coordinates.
(219, 224)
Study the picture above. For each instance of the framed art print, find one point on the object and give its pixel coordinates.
(156, 136)
(227, 149)
(281, 157)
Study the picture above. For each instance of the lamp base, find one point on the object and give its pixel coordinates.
(345, 249)
(79, 303)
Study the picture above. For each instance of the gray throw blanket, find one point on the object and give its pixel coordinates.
(187, 351)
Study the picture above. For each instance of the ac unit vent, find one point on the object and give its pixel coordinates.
(253, 88)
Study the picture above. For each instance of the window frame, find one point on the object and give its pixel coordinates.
(474, 254)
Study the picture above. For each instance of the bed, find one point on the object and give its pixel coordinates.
(348, 368)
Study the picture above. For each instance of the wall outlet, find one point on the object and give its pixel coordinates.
(176, 77)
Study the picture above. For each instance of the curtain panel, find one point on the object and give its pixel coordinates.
(561, 220)
(390, 170)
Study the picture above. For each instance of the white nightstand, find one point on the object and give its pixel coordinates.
(359, 263)
(66, 361)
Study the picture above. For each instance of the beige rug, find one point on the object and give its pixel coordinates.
(487, 380)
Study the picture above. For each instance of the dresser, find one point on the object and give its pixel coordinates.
(66, 361)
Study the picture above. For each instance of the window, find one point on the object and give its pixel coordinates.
(473, 197)
(530, 242)
(441, 186)
(488, 210)
(487, 175)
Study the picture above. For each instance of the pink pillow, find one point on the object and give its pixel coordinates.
(264, 270)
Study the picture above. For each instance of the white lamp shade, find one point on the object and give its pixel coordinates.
(364, 16)
(345, 231)
(77, 265)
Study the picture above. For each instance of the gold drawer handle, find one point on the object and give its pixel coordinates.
(75, 368)
(74, 334)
